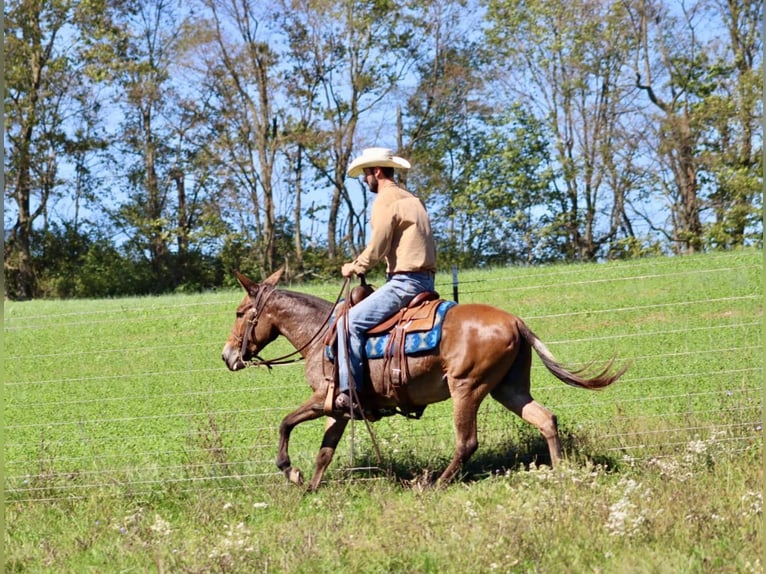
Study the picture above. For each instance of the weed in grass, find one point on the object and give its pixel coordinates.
(206, 451)
(627, 515)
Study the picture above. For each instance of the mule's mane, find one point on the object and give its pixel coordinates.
(300, 313)
(304, 299)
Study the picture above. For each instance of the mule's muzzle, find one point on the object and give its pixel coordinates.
(232, 357)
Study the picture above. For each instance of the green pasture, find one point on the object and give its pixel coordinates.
(128, 446)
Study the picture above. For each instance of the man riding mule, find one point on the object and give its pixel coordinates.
(401, 235)
(482, 351)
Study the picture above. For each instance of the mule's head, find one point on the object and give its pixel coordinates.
(254, 327)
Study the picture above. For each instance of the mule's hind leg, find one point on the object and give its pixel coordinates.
(465, 405)
(535, 414)
(513, 393)
(332, 434)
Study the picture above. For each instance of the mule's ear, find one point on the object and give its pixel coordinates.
(247, 284)
(274, 278)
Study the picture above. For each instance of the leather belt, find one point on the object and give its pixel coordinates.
(421, 272)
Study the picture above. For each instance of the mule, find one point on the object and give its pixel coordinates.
(483, 351)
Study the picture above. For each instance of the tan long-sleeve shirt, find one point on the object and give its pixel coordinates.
(401, 233)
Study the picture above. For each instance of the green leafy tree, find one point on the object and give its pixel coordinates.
(493, 211)
(504, 203)
(165, 167)
(52, 50)
(732, 148)
(669, 69)
(442, 122)
(567, 62)
(353, 54)
(73, 262)
(703, 82)
(242, 99)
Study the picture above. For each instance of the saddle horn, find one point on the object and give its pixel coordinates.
(360, 291)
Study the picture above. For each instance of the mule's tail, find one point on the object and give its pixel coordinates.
(574, 378)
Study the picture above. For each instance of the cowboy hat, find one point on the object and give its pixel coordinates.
(376, 157)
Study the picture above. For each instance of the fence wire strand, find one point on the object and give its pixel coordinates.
(73, 445)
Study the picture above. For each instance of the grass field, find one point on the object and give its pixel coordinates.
(128, 446)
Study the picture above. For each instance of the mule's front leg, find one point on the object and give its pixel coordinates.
(306, 412)
(332, 434)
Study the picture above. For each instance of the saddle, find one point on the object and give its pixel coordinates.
(418, 316)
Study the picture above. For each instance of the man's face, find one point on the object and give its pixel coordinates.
(371, 180)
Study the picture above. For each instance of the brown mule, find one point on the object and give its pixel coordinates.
(484, 351)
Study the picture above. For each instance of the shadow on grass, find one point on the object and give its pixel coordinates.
(492, 460)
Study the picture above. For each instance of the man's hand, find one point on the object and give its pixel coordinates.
(347, 270)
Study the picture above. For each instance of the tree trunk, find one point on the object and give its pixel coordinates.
(297, 239)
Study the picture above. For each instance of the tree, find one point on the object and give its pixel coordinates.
(680, 61)
(443, 122)
(567, 62)
(537, 130)
(704, 83)
(354, 53)
(731, 156)
(244, 88)
(164, 167)
(50, 53)
(503, 203)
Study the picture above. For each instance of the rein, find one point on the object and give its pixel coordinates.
(352, 387)
(289, 358)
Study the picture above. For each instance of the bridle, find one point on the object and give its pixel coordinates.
(251, 322)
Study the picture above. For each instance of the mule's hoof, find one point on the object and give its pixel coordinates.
(295, 476)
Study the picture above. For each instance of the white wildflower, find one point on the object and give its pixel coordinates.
(753, 502)
(671, 468)
(625, 517)
(235, 541)
(160, 527)
(629, 460)
(697, 447)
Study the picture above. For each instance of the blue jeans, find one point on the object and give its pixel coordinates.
(396, 293)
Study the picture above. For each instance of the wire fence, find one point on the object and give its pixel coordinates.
(103, 398)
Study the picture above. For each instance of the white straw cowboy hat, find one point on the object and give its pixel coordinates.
(376, 157)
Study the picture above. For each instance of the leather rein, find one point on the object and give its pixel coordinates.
(252, 321)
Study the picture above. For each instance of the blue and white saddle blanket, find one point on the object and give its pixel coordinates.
(418, 342)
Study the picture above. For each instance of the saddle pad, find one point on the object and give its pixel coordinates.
(375, 346)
